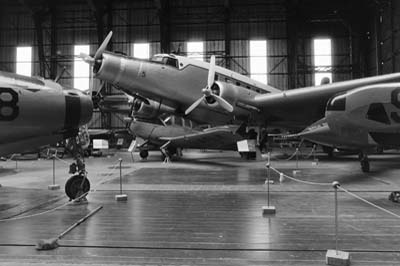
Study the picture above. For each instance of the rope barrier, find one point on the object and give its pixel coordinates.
(368, 202)
(107, 176)
(293, 155)
(45, 212)
(301, 181)
(67, 203)
(311, 153)
(339, 187)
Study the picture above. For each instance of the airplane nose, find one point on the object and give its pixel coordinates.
(86, 109)
(78, 108)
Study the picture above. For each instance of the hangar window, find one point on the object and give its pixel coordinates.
(81, 69)
(24, 61)
(195, 50)
(258, 61)
(322, 61)
(141, 50)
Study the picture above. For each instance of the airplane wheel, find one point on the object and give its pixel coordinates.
(74, 187)
(365, 166)
(144, 154)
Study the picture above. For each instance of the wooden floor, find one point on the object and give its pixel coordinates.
(203, 212)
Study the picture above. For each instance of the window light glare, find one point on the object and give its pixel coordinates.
(195, 50)
(141, 50)
(24, 61)
(81, 69)
(258, 60)
(322, 60)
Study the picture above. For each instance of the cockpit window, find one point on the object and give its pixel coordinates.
(165, 60)
(170, 61)
(337, 103)
(157, 59)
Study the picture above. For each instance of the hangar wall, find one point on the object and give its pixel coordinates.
(364, 37)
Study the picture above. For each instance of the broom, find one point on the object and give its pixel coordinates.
(52, 243)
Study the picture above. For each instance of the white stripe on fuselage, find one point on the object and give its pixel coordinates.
(185, 62)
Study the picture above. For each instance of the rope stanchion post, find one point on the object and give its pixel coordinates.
(54, 186)
(297, 172)
(315, 160)
(120, 196)
(268, 209)
(337, 257)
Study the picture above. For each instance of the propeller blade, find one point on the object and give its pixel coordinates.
(211, 72)
(61, 74)
(103, 46)
(86, 58)
(165, 121)
(194, 105)
(91, 85)
(224, 104)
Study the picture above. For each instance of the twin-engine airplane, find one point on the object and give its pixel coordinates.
(35, 112)
(210, 94)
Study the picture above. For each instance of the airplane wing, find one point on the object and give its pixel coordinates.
(219, 138)
(301, 107)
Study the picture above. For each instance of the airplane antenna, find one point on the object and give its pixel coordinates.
(61, 74)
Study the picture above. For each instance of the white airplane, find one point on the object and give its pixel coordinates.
(214, 95)
(35, 112)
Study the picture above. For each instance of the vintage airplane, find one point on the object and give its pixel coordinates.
(174, 133)
(176, 82)
(35, 112)
(360, 119)
(165, 131)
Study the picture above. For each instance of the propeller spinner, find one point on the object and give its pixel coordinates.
(208, 92)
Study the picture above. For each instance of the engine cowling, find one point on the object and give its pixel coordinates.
(226, 90)
(372, 108)
(151, 110)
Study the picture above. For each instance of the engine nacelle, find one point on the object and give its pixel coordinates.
(372, 108)
(226, 90)
(151, 110)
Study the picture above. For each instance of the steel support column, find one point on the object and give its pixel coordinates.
(227, 21)
(163, 7)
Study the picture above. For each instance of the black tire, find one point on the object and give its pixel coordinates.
(74, 187)
(365, 166)
(144, 154)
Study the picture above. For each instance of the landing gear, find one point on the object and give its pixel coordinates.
(144, 154)
(328, 151)
(76, 186)
(363, 157)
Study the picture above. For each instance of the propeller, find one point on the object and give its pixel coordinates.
(97, 56)
(95, 61)
(208, 93)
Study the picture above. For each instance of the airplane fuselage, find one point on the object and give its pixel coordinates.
(360, 119)
(182, 80)
(35, 112)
